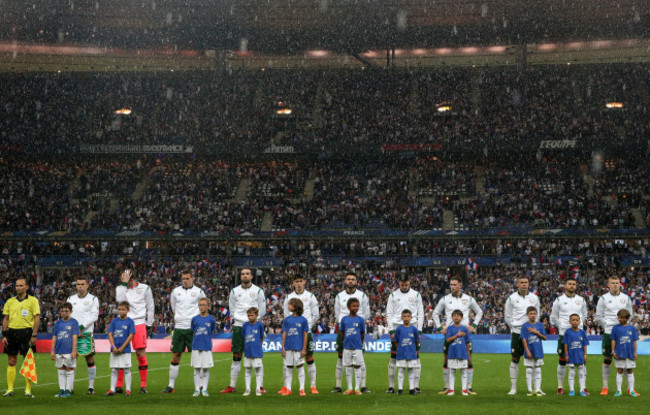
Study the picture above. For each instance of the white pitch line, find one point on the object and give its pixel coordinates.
(108, 376)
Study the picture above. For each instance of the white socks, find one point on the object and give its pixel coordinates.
(606, 371)
(62, 379)
(416, 375)
(197, 379)
(359, 377)
(572, 376)
(470, 376)
(537, 371)
(301, 377)
(288, 377)
(529, 378)
(362, 370)
(235, 368)
(514, 374)
(561, 373)
(127, 379)
(392, 363)
(92, 374)
(173, 374)
(259, 377)
(113, 379)
(311, 370)
(400, 378)
(582, 377)
(445, 377)
(339, 372)
(69, 382)
(463, 379)
(348, 376)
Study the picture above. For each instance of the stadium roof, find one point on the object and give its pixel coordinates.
(295, 26)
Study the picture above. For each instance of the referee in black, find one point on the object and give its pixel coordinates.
(21, 319)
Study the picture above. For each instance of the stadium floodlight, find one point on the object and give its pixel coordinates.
(123, 111)
(444, 108)
(614, 105)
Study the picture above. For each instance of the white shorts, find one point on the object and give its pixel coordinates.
(533, 362)
(625, 364)
(202, 359)
(292, 358)
(411, 363)
(352, 357)
(457, 363)
(65, 360)
(253, 362)
(120, 361)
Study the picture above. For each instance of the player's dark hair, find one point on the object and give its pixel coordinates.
(353, 274)
(613, 277)
(574, 314)
(456, 278)
(531, 308)
(124, 304)
(572, 278)
(66, 305)
(253, 310)
(406, 311)
(457, 313)
(403, 278)
(352, 301)
(523, 277)
(297, 305)
(623, 313)
(81, 277)
(297, 277)
(186, 271)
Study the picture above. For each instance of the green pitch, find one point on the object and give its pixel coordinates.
(490, 381)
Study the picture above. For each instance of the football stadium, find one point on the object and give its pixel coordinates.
(331, 206)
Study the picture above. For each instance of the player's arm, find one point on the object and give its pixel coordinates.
(585, 315)
(303, 352)
(478, 314)
(261, 303)
(529, 355)
(585, 352)
(365, 307)
(420, 308)
(437, 312)
(363, 335)
(120, 292)
(284, 339)
(538, 306)
(150, 306)
(232, 305)
(566, 350)
(541, 333)
(389, 312)
(337, 308)
(126, 342)
(555, 313)
(315, 311)
(74, 346)
(172, 301)
(635, 345)
(285, 307)
(507, 312)
(342, 330)
(94, 314)
(53, 348)
(111, 340)
(600, 312)
(613, 346)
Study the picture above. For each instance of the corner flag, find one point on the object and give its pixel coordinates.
(29, 367)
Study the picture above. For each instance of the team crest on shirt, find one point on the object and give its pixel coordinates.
(252, 295)
(464, 301)
(577, 302)
(86, 302)
(193, 294)
(622, 301)
(138, 291)
(412, 299)
(531, 301)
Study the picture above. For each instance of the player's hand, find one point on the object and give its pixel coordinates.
(81, 335)
(284, 353)
(469, 361)
(126, 276)
(52, 355)
(73, 355)
(634, 355)
(303, 353)
(585, 357)
(532, 330)
(529, 355)
(471, 329)
(149, 331)
(461, 334)
(616, 357)
(5, 341)
(444, 331)
(391, 338)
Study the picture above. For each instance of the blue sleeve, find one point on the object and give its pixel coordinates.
(75, 328)
(586, 342)
(284, 325)
(636, 334)
(363, 326)
(261, 330)
(417, 335)
(111, 326)
(564, 339)
(132, 327)
(541, 328)
(305, 325)
(214, 325)
(614, 335)
(396, 335)
(193, 324)
(342, 325)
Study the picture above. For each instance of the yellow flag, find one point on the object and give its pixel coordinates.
(29, 367)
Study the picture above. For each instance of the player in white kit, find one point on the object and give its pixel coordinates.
(404, 298)
(312, 313)
(340, 311)
(515, 316)
(606, 316)
(140, 299)
(85, 309)
(456, 300)
(184, 301)
(563, 306)
(242, 297)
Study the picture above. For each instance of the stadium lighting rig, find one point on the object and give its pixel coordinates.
(614, 105)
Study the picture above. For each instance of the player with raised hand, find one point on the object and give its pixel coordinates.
(312, 313)
(457, 300)
(515, 316)
(141, 311)
(242, 298)
(341, 310)
(607, 317)
(563, 307)
(404, 298)
(85, 309)
(184, 301)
